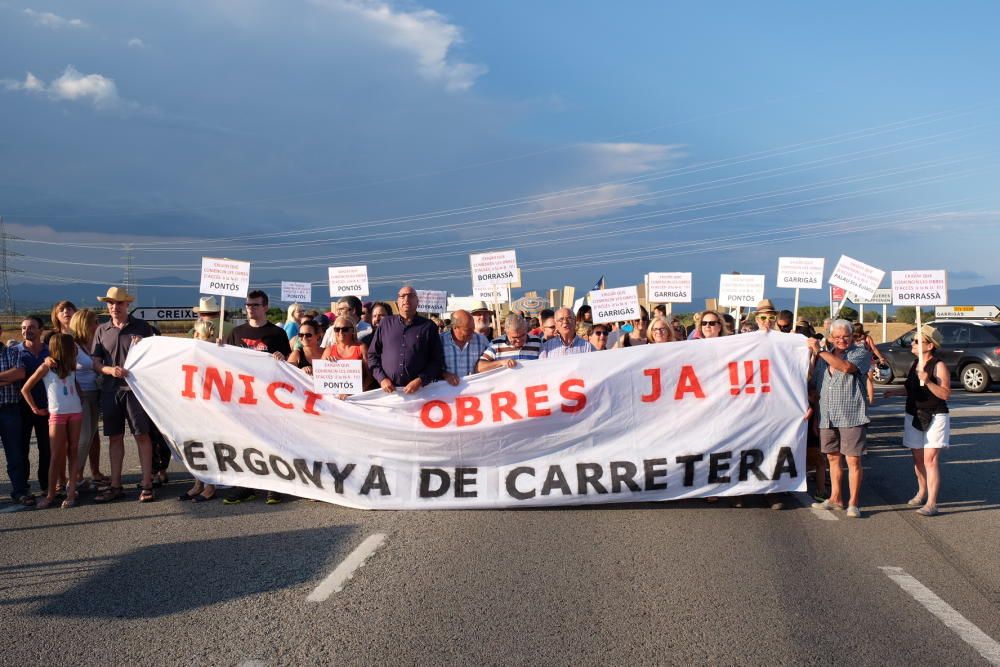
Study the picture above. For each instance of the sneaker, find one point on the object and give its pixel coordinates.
(915, 501)
(853, 512)
(774, 501)
(929, 510)
(273, 498)
(239, 495)
(827, 505)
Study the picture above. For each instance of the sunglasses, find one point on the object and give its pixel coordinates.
(710, 323)
(343, 329)
(603, 334)
(769, 318)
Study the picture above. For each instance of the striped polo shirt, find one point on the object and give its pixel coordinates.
(500, 349)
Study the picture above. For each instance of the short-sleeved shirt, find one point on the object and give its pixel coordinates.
(10, 394)
(554, 348)
(30, 363)
(843, 397)
(111, 346)
(501, 350)
(462, 361)
(268, 338)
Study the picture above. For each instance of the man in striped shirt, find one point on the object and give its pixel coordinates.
(516, 345)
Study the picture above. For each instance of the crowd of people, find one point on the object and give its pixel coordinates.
(60, 386)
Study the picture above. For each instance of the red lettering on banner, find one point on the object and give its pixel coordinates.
(503, 403)
(467, 412)
(425, 414)
(223, 387)
(248, 398)
(654, 392)
(749, 377)
(311, 398)
(189, 372)
(688, 384)
(566, 391)
(272, 393)
(534, 400)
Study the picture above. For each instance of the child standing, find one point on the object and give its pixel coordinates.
(65, 413)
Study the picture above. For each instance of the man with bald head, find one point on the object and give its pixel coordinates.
(462, 347)
(405, 350)
(565, 342)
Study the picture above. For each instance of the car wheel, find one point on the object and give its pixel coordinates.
(883, 374)
(975, 378)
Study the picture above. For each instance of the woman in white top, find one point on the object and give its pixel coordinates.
(82, 326)
(64, 413)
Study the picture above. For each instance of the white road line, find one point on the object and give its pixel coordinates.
(970, 634)
(806, 501)
(336, 580)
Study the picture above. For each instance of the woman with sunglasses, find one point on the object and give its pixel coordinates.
(346, 347)
(660, 331)
(599, 337)
(307, 349)
(711, 325)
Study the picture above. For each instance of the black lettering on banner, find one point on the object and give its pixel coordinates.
(589, 473)
(286, 474)
(256, 466)
(750, 460)
(689, 460)
(623, 472)
(511, 483)
(463, 480)
(315, 476)
(716, 465)
(425, 482)
(225, 455)
(193, 452)
(556, 478)
(785, 463)
(339, 475)
(652, 470)
(375, 480)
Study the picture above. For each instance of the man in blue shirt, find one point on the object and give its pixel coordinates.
(31, 354)
(462, 347)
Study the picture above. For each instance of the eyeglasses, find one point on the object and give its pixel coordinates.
(710, 323)
(343, 329)
(255, 305)
(769, 318)
(306, 335)
(661, 330)
(602, 334)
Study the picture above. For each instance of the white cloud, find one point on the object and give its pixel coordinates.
(136, 43)
(98, 90)
(53, 21)
(630, 158)
(424, 34)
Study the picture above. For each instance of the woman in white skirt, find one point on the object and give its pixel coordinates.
(927, 424)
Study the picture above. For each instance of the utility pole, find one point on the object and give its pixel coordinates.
(5, 268)
(129, 277)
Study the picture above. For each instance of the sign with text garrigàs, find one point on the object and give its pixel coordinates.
(225, 277)
(672, 287)
(331, 378)
(348, 281)
(856, 277)
(292, 292)
(920, 288)
(743, 290)
(432, 301)
(615, 305)
(493, 268)
(801, 272)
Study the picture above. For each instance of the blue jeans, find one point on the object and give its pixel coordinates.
(30, 421)
(10, 434)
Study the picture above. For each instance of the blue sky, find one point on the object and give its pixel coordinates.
(594, 138)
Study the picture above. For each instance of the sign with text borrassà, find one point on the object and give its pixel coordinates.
(348, 281)
(225, 277)
(493, 268)
(712, 417)
(920, 288)
(671, 287)
(432, 301)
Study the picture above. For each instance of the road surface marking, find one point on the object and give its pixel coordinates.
(336, 580)
(960, 625)
(806, 501)
(252, 663)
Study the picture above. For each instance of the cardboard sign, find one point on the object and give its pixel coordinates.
(296, 292)
(801, 272)
(740, 290)
(494, 268)
(348, 281)
(669, 287)
(491, 293)
(856, 277)
(432, 301)
(225, 277)
(331, 378)
(880, 297)
(615, 305)
(920, 288)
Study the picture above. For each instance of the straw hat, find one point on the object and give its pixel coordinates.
(207, 304)
(116, 294)
(931, 335)
(765, 306)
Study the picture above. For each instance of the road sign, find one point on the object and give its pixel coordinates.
(164, 313)
(966, 312)
(880, 297)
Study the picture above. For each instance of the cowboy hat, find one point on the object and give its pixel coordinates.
(931, 335)
(116, 294)
(207, 304)
(765, 306)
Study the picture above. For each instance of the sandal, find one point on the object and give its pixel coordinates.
(43, 503)
(100, 480)
(147, 496)
(203, 499)
(109, 494)
(27, 500)
(68, 503)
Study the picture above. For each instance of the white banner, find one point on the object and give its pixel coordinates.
(348, 281)
(856, 277)
(801, 272)
(744, 290)
(672, 287)
(493, 268)
(711, 417)
(292, 292)
(920, 288)
(616, 304)
(225, 277)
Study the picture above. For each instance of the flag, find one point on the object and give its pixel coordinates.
(599, 284)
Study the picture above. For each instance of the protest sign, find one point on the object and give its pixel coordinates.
(292, 292)
(432, 301)
(624, 425)
(491, 294)
(740, 290)
(856, 277)
(801, 272)
(332, 378)
(616, 304)
(348, 281)
(920, 288)
(225, 277)
(494, 268)
(671, 287)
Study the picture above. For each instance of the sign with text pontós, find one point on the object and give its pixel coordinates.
(738, 289)
(225, 277)
(348, 281)
(337, 377)
(292, 292)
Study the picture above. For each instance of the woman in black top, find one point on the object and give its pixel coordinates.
(927, 424)
(307, 348)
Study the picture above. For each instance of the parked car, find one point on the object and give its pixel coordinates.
(970, 349)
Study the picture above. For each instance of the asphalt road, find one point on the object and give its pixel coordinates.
(172, 583)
